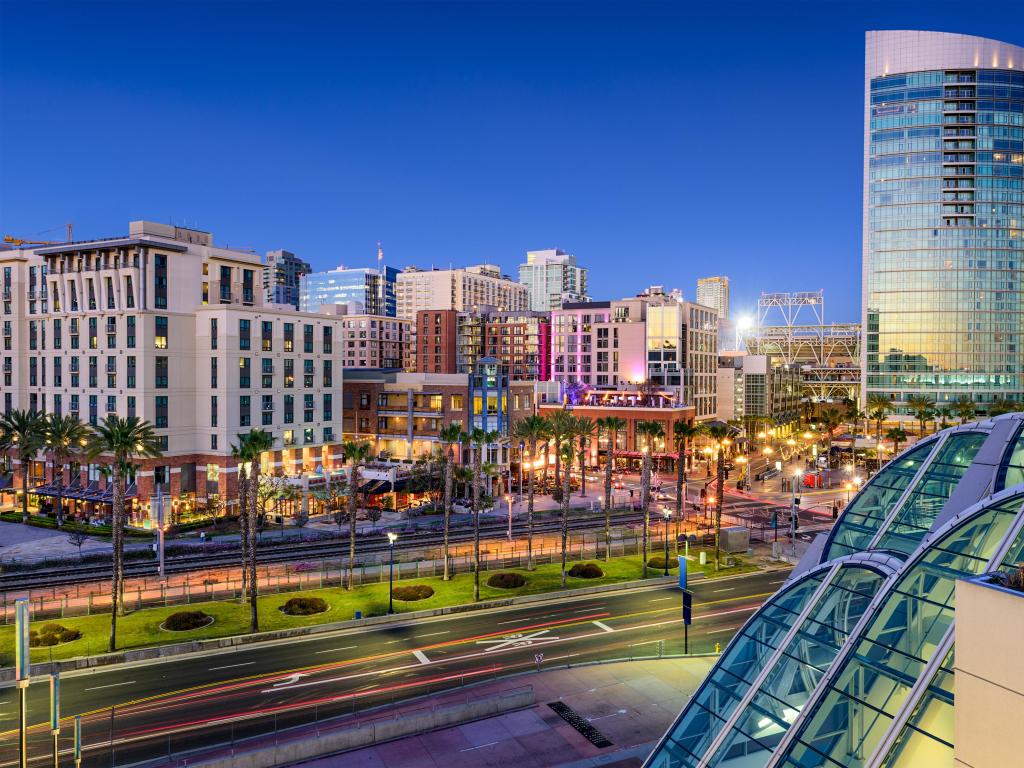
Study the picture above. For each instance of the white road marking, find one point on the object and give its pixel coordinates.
(602, 625)
(291, 679)
(111, 685)
(232, 666)
(515, 621)
(726, 629)
(729, 589)
(780, 581)
(470, 749)
(433, 634)
(657, 599)
(591, 608)
(517, 640)
(332, 650)
(421, 656)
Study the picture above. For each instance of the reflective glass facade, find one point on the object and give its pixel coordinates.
(364, 291)
(944, 219)
(850, 665)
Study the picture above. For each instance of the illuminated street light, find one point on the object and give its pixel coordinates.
(668, 517)
(392, 538)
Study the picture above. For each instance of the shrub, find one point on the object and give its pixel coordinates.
(506, 580)
(586, 571)
(658, 562)
(413, 592)
(52, 634)
(182, 621)
(304, 606)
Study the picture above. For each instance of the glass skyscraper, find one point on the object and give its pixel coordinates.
(943, 218)
(364, 291)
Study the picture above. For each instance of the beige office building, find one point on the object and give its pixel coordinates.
(469, 289)
(714, 292)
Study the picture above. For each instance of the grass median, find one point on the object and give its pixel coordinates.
(143, 627)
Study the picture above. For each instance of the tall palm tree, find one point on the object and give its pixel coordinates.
(122, 440)
(450, 436)
(719, 433)
(356, 454)
(830, 419)
(530, 430)
(254, 444)
(897, 436)
(480, 439)
(586, 430)
(1001, 406)
(920, 405)
(611, 425)
(683, 433)
(567, 450)
(855, 416)
(23, 432)
(560, 426)
(651, 430)
(878, 408)
(964, 409)
(65, 437)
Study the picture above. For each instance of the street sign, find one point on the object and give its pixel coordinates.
(687, 607)
(682, 571)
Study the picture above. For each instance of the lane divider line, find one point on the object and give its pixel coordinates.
(603, 626)
(421, 656)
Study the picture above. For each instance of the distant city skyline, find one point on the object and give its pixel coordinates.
(459, 134)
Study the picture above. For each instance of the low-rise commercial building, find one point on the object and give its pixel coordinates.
(759, 390)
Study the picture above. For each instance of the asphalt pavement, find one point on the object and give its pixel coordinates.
(145, 710)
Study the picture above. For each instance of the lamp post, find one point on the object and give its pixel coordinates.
(55, 716)
(22, 668)
(508, 500)
(794, 510)
(392, 538)
(522, 449)
(668, 517)
(745, 477)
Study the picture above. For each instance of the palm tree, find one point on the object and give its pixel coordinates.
(878, 408)
(964, 409)
(855, 416)
(251, 447)
(612, 425)
(586, 430)
(122, 439)
(651, 430)
(944, 415)
(1001, 406)
(480, 439)
(65, 437)
(719, 433)
(567, 451)
(356, 454)
(920, 405)
(450, 435)
(683, 433)
(830, 419)
(560, 426)
(530, 431)
(23, 432)
(897, 436)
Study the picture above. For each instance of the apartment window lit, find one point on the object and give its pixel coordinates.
(160, 334)
(243, 373)
(289, 337)
(288, 438)
(267, 335)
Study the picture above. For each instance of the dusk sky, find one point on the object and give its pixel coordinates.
(657, 142)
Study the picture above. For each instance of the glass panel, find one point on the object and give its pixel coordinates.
(789, 685)
(927, 738)
(707, 712)
(853, 715)
(916, 516)
(1012, 472)
(862, 519)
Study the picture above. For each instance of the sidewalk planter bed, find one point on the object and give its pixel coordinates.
(305, 606)
(586, 571)
(183, 621)
(414, 592)
(506, 580)
(52, 634)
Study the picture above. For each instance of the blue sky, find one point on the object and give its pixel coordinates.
(657, 141)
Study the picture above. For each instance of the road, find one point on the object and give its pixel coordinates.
(198, 700)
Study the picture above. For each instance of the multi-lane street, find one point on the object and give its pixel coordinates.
(138, 711)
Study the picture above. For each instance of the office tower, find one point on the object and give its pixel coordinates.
(943, 219)
(714, 292)
(469, 289)
(553, 278)
(282, 273)
(364, 291)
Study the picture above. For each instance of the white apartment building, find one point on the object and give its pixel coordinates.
(371, 341)
(682, 351)
(714, 292)
(553, 278)
(467, 289)
(164, 325)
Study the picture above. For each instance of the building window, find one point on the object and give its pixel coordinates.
(111, 404)
(328, 407)
(268, 410)
(244, 334)
(328, 339)
(244, 415)
(289, 373)
(307, 436)
(160, 381)
(289, 337)
(328, 377)
(213, 372)
(213, 333)
(267, 335)
(458, 402)
(243, 372)
(93, 334)
(160, 336)
(289, 409)
(307, 407)
(131, 405)
(213, 410)
(288, 438)
(307, 339)
(130, 333)
(160, 422)
(160, 282)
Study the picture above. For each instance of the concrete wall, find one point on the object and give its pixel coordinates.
(989, 679)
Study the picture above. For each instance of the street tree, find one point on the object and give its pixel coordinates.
(611, 425)
(23, 433)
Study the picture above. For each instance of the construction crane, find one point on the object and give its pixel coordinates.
(19, 241)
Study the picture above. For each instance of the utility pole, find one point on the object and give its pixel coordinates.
(22, 671)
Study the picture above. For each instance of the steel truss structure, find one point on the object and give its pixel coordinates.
(792, 327)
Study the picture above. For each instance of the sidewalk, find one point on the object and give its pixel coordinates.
(631, 703)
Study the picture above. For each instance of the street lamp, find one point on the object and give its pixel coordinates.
(668, 517)
(745, 477)
(392, 538)
(508, 499)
